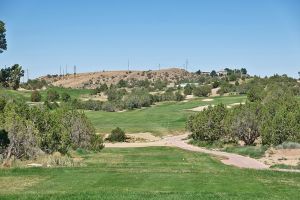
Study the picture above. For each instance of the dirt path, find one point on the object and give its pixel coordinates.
(178, 141)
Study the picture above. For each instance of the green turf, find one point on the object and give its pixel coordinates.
(148, 173)
(160, 119)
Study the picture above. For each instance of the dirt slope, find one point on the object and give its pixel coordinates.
(93, 79)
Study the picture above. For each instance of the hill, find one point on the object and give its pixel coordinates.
(92, 79)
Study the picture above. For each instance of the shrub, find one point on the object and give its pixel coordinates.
(52, 95)
(137, 99)
(91, 105)
(255, 93)
(179, 96)
(114, 95)
(208, 125)
(117, 135)
(27, 131)
(65, 97)
(23, 142)
(289, 145)
(4, 141)
(109, 107)
(122, 83)
(246, 124)
(232, 77)
(36, 96)
(2, 103)
(202, 91)
(188, 89)
(216, 84)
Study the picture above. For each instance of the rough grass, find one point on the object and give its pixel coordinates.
(164, 118)
(283, 166)
(251, 151)
(148, 173)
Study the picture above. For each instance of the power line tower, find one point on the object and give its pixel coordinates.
(60, 71)
(159, 67)
(66, 69)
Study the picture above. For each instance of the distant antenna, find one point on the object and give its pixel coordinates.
(60, 71)
(66, 69)
(74, 71)
(186, 64)
(63, 73)
(128, 64)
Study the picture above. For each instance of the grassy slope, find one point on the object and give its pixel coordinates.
(160, 119)
(148, 173)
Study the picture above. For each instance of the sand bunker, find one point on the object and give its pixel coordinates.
(143, 137)
(200, 108)
(189, 97)
(234, 104)
(207, 100)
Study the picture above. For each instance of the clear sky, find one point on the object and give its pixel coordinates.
(261, 35)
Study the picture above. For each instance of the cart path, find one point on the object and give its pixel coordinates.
(178, 141)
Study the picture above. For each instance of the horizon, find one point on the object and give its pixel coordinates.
(261, 36)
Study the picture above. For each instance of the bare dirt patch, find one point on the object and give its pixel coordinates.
(282, 156)
(214, 92)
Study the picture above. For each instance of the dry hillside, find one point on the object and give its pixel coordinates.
(93, 79)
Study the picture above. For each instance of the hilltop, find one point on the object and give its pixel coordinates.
(92, 79)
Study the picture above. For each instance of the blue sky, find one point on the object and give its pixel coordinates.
(261, 35)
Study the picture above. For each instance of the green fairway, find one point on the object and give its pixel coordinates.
(161, 119)
(25, 95)
(148, 173)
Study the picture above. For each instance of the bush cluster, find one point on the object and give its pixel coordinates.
(118, 99)
(272, 115)
(27, 131)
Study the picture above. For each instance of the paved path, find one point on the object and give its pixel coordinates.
(178, 141)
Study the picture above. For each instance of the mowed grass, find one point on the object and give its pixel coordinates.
(148, 173)
(26, 95)
(164, 118)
